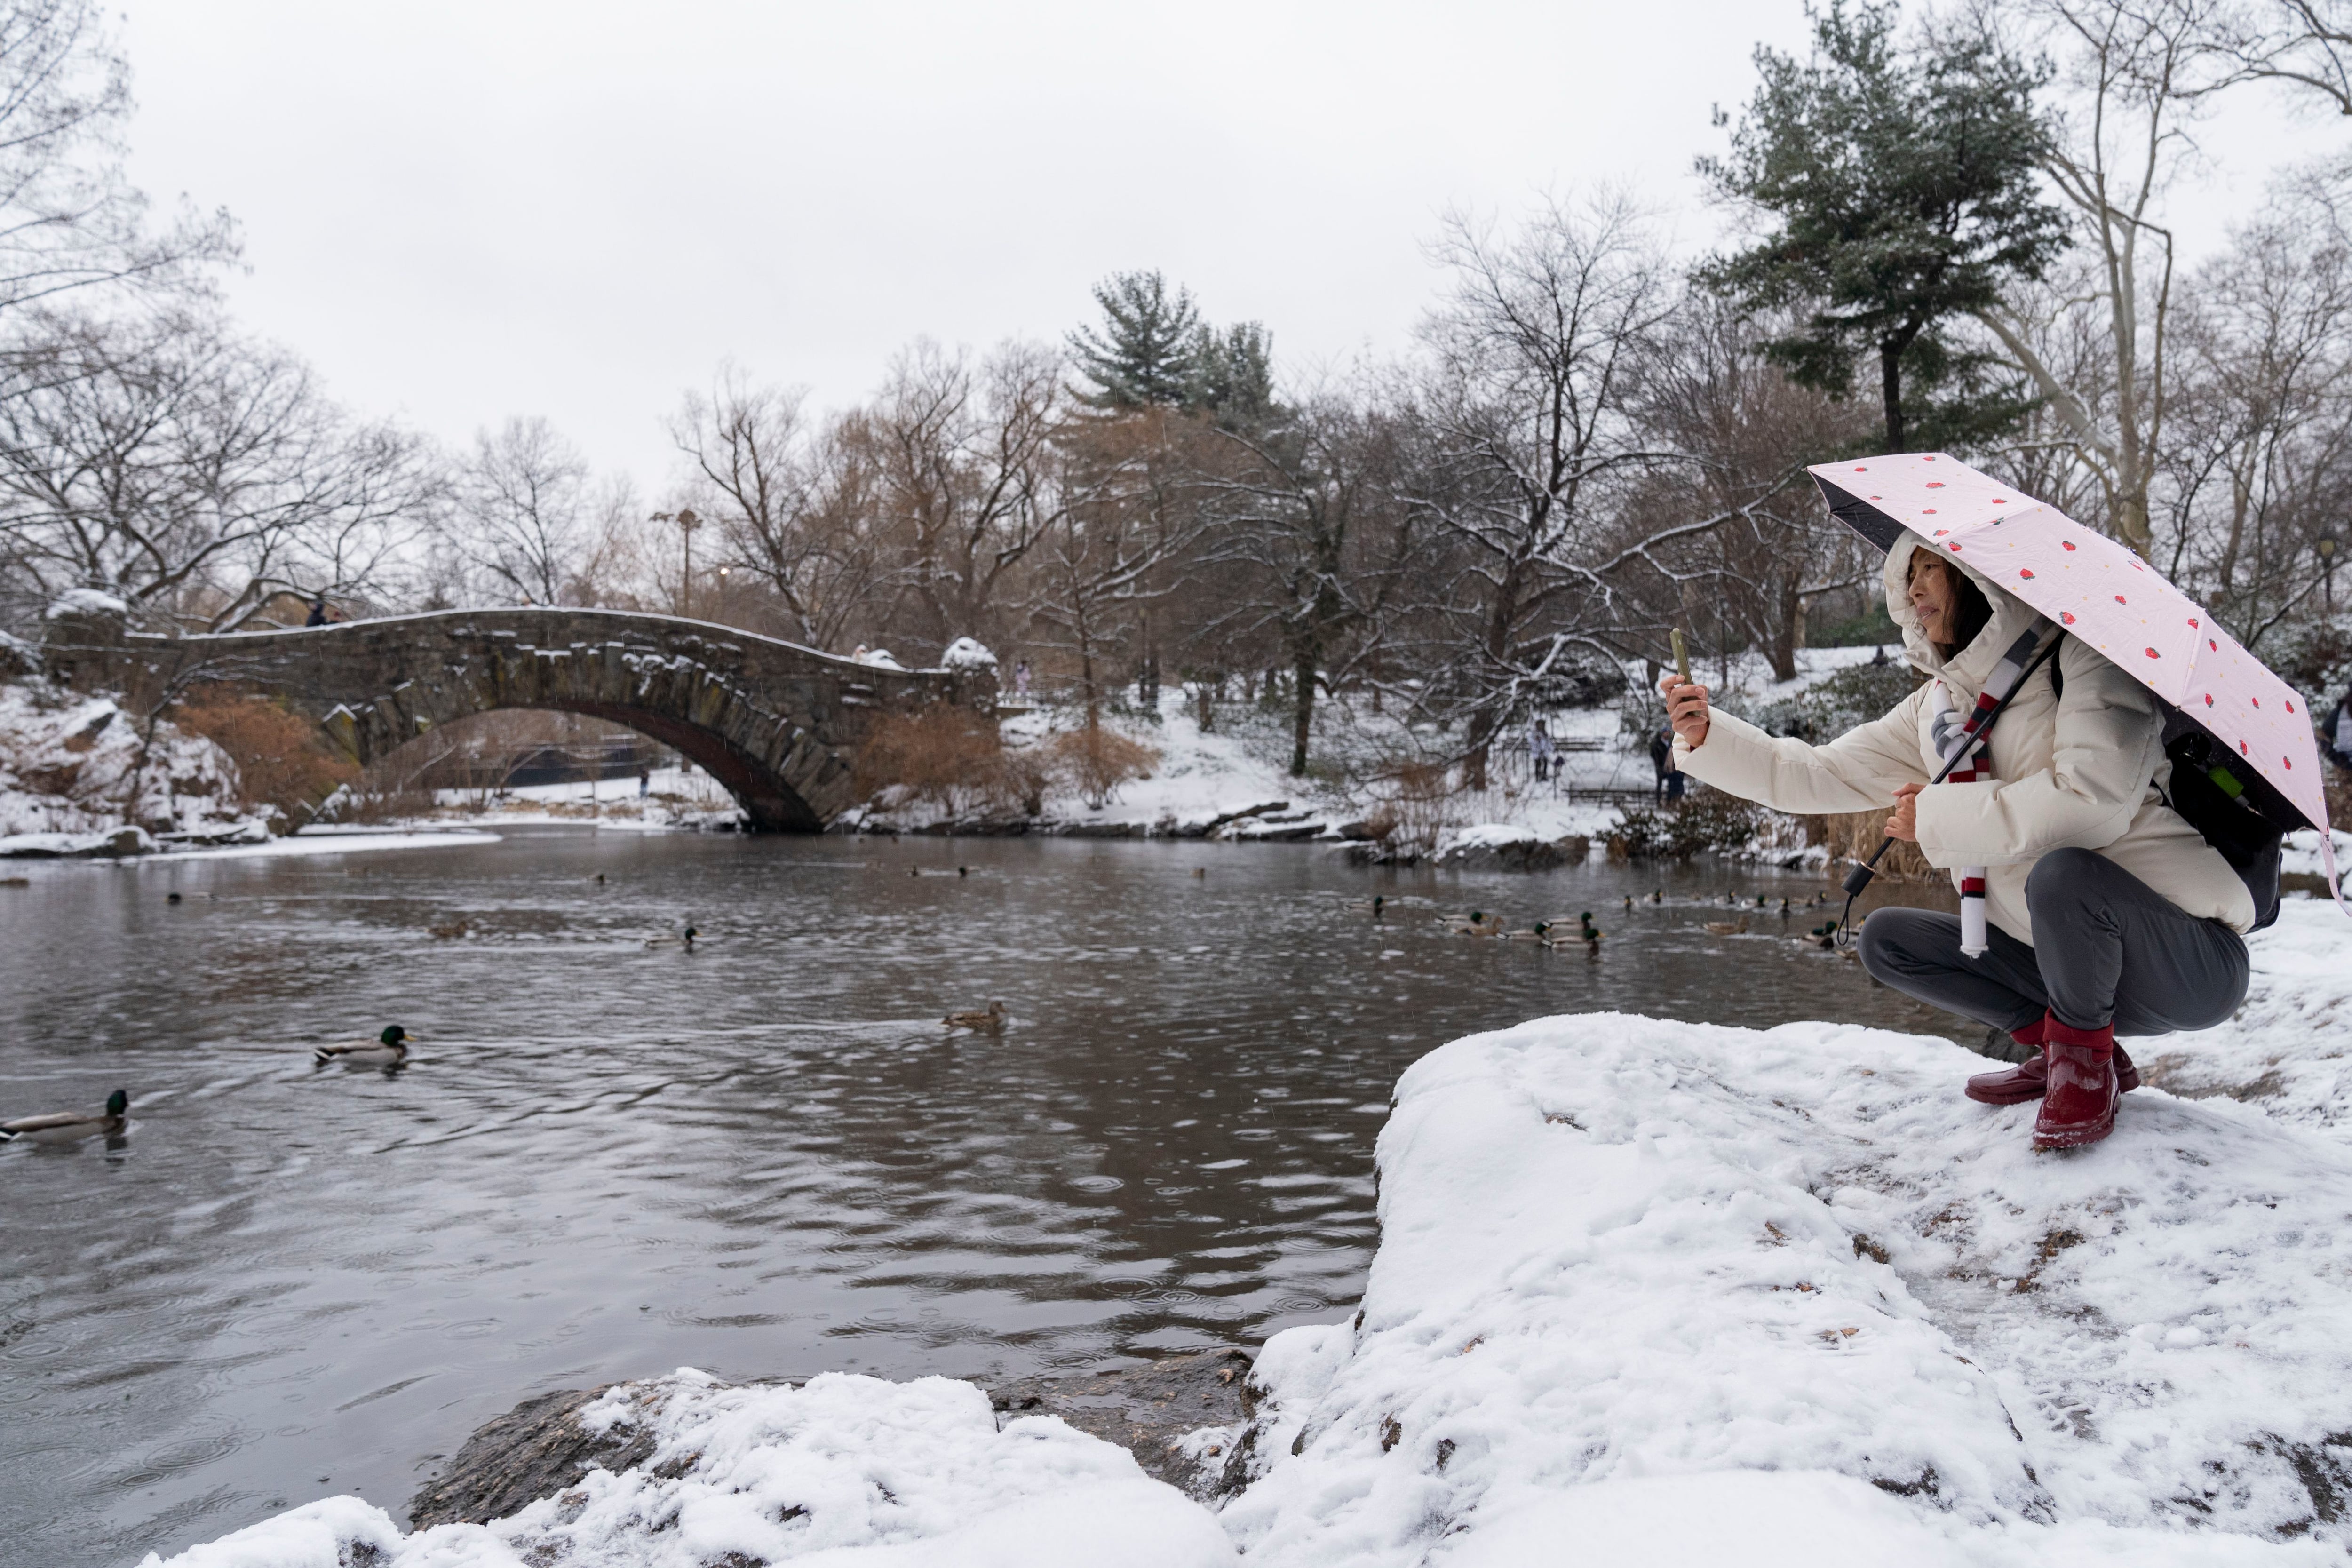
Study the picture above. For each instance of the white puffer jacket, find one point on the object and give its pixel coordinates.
(2084, 771)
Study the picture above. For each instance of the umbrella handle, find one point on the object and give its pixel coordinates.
(2335, 878)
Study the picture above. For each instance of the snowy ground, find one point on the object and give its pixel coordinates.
(1621, 1256)
(1677, 1293)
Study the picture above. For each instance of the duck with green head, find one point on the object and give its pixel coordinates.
(388, 1049)
(70, 1126)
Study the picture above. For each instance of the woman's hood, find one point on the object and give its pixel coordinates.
(2010, 617)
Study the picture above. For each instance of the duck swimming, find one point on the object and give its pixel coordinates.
(684, 939)
(69, 1126)
(991, 1018)
(388, 1049)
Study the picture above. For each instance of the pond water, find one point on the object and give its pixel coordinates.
(764, 1158)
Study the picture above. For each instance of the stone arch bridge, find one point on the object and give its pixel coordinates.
(773, 722)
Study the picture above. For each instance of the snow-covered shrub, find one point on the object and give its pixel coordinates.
(1708, 820)
(964, 653)
(1830, 707)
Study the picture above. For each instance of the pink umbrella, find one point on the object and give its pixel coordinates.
(2110, 598)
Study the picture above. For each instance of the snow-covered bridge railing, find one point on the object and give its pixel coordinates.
(772, 721)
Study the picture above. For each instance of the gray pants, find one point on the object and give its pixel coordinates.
(2109, 949)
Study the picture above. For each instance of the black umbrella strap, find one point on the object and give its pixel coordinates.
(1980, 728)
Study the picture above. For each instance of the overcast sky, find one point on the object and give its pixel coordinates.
(463, 211)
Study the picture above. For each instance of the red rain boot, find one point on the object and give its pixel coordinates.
(2027, 1079)
(2079, 1107)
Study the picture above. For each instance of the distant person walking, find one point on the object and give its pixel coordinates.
(317, 616)
(1021, 679)
(1540, 749)
(644, 781)
(1661, 759)
(2337, 732)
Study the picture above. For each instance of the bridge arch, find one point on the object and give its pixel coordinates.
(773, 722)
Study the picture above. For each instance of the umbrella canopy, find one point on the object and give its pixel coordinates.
(2105, 595)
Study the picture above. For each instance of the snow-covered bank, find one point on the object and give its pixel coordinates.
(842, 1470)
(1615, 1250)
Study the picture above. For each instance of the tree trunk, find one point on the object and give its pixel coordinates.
(1787, 628)
(1302, 713)
(1890, 389)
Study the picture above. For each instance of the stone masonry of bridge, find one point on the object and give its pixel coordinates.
(775, 723)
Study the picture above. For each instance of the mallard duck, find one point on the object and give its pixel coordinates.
(992, 1019)
(1200, 870)
(1727, 928)
(1533, 933)
(450, 932)
(1477, 923)
(1784, 908)
(1371, 906)
(1629, 903)
(69, 1126)
(388, 1049)
(1657, 895)
(684, 939)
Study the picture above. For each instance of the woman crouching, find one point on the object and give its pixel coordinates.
(2108, 914)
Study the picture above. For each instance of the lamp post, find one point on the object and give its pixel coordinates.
(723, 595)
(2327, 547)
(686, 524)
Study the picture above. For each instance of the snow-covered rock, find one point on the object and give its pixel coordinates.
(86, 602)
(964, 653)
(843, 1471)
(77, 766)
(1628, 1265)
(1508, 846)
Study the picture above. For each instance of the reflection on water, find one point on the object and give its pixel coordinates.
(762, 1158)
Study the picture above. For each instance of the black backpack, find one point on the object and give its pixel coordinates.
(2239, 812)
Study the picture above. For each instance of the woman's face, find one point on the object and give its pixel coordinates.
(1932, 597)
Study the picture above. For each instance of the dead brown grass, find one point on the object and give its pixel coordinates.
(1854, 835)
(1414, 806)
(282, 759)
(951, 758)
(1097, 760)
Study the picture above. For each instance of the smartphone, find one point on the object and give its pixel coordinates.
(1682, 656)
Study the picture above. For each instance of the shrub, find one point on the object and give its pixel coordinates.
(1832, 706)
(283, 761)
(1708, 820)
(949, 757)
(1095, 761)
(1413, 808)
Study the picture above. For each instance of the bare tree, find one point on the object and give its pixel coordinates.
(70, 219)
(963, 465)
(524, 514)
(2261, 447)
(1746, 432)
(1532, 360)
(1121, 506)
(200, 478)
(2135, 73)
(797, 503)
(1315, 518)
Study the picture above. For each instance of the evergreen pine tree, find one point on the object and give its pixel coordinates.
(1232, 374)
(1906, 194)
(1143, 353)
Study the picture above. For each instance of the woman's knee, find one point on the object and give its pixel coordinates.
(2064, 877)
(1890, 941)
